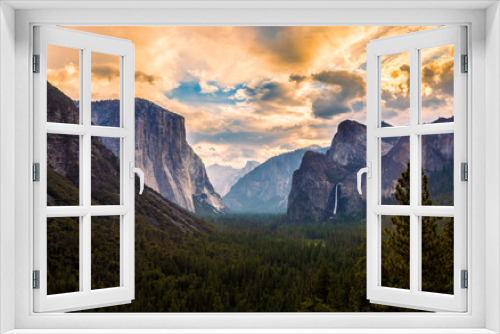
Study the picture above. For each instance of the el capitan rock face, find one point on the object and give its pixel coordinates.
(170, 165)
(152, 209)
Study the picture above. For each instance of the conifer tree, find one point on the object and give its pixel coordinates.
(437, 245)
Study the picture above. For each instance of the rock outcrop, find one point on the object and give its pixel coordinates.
(170, 165)
(63, 178)
(325, 185)
(266, 188)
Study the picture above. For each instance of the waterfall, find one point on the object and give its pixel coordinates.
(336, 193)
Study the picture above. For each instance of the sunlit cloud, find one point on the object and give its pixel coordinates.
(249, 93)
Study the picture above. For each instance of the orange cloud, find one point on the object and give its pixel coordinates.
(276, 79)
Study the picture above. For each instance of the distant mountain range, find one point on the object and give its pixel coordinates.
(170, 165)
(224, 177)
(265, 189)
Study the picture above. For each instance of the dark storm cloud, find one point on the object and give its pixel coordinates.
(446, 83)
(399, 101)
(400, 98)
(144, 77)
(328, 106)
(297, 78)
(335, 101)
(285, 46)
(357, 106)
(432, 101)
(272, 91)
(439, 77)
(272, 97)
(105, 72)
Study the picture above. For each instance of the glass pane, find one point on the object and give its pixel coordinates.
(395, 171)
(105, 89)
(63, 255)
(396, 251)
(437, 84)
(63, 170)
(63, 84)
(437, 254)
(437, 169)
(105, 171)
(395, 89)
(105, 252)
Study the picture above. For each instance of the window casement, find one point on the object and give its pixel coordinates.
(77, 136)
(413, 217)
(481, 101)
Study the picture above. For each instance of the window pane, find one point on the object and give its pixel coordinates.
(437, 84)
(105, 85)
(105, 252)
(395, 171)
(63, 87)
(105, 171)
(63, 170)
(63, 255)
(396, 251)
(437, 254)
(437, 169)
(395, 89)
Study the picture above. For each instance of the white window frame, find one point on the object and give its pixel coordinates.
(86, 44)
(414, 297)
(484, 102)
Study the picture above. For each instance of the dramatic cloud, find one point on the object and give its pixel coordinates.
(344, 86)
(105, 72)
(297, 78)
(437, 82)
(144, 77)
(249, 93)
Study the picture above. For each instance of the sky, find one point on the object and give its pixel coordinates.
(250, 93)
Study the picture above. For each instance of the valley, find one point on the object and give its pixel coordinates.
(287, 234)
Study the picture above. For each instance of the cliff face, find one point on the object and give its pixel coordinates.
(321, 189)
(326, 185)
(152, 208)
(349, 144)
(265, 189)
(170, 165)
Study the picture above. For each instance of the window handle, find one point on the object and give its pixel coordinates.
(368, 171)
(138, 171)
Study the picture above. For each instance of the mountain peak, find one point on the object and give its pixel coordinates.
(171, 166)
(349, 144)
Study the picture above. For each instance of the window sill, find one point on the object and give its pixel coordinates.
(251, 331)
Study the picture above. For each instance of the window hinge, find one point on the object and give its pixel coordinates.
(36, 63)
(36, 172)
(464, 171)
(465, 64)
(36, 279)
(465, 279)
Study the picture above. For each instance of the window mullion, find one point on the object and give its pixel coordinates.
(86, 171)
(415, 251)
